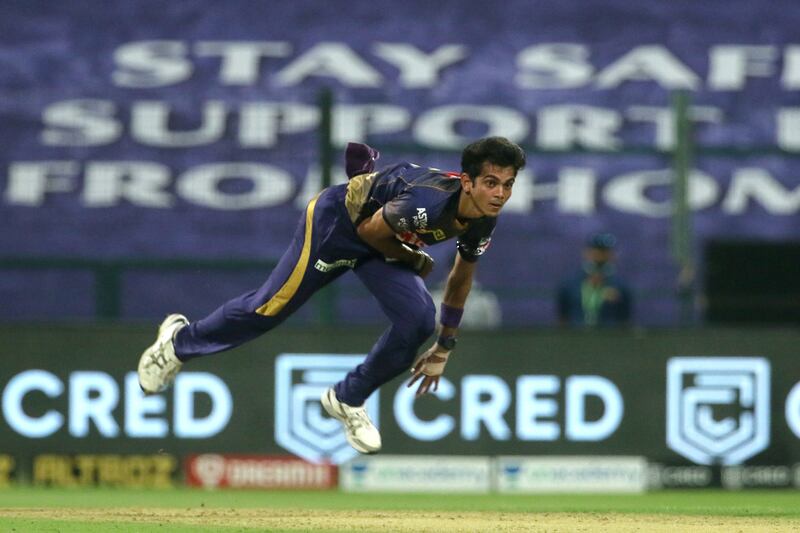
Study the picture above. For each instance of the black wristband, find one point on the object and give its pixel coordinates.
(448, 343)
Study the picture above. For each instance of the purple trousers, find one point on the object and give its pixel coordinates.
(324, 246)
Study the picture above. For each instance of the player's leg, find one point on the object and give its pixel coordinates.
(246, 317)
(407, 303)
(253, 313)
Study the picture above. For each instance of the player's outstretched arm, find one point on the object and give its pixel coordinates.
(429, 367)
(459, 283)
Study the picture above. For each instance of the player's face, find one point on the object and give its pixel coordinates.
(491, 189)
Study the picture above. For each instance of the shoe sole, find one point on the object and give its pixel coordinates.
(142, 359)
(169, 321)
(328, 405)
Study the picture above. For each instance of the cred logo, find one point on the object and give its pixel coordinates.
(300, 424)
(718, 408)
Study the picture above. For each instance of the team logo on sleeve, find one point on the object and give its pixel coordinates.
(483, 245)
(480, 249)
(718, 408)
(301, 425)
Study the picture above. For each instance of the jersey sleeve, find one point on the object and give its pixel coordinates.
(413, 209)
(474, 242)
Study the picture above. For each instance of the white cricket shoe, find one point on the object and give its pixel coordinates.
(358, 428)
(158, 365)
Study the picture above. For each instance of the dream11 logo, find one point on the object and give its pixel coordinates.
(301, 425)
(718, 408)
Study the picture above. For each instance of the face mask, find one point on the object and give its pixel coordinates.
(596, 267)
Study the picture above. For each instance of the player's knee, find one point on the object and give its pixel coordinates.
(422, 324)
(427, 323)
(413, 330)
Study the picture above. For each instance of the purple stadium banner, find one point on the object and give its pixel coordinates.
(189, 129)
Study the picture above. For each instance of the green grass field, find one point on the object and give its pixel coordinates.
(95, 510)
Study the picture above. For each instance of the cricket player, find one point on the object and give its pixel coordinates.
(376, 224)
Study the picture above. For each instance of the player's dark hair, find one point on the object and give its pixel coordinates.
(495, 150)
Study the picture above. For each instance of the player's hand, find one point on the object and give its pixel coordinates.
(428, 368)
(423, 263)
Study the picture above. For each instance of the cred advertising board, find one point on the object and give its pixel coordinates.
(692, 398)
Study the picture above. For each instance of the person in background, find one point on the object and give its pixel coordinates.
(595, 295)
(482, 310)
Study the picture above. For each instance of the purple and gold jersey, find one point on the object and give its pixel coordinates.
(420, 204)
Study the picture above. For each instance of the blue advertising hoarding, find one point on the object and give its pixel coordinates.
(156, 130)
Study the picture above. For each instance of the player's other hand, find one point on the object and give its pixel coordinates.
(428, 368)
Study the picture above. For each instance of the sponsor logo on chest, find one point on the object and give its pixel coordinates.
(421, 218)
